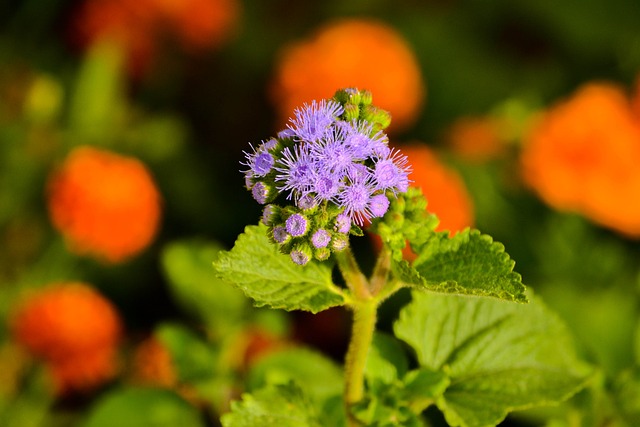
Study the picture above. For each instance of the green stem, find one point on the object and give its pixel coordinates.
(381, 271)
(364, 323)
(355, 280)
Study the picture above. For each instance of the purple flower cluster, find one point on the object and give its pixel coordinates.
(333, 170)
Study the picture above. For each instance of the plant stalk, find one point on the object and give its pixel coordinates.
(364, 323)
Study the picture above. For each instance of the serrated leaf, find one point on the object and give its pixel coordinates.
(320, 375)
(187, 266)
(281, 405)
(136, 407)
(271, 279)
(499, 356)
(469, 263)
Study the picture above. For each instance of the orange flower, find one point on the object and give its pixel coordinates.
(138, 26)
(476, 139)
(583, 156)
(152, 364)
(106, 205)
(74, 330)
(444, 189)
(351, 53)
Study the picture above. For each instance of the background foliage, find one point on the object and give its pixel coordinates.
(186, 101)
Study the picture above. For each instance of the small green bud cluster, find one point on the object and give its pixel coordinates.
(406, 219)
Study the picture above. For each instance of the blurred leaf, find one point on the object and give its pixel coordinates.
(627, 393)
(32, 404)
(500, 356)
(282, 405)
(187, 266)
(136, 407)
(467, 263)
(192, 357)
(269, 277)
(387, 360)
(321, 377)
(98, 99)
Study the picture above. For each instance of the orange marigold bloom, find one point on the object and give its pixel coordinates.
(444, 189)
(583, 156)
(74, 330)
(351, 53)
(476, 139)
(106, 205)
(139, 25)
(152, 364)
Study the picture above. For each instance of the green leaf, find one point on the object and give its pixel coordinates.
(135, 407)
(192, 357)
(187, 266)
(387, 360)
(281, 405)
(499, 356)
(423, 386)
(271, 279)
(321, 376)
(468, 263)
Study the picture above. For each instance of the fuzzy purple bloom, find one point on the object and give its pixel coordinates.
(296, 171)
(296, 225)
(286, 133)
(312, 121)
(320, 238)
(354, 198)
(392, 173)
(268, 213)
(262, 163)
(299, 257)
(260, 192)
(306, 201)
(326, 186)
(280, 234)
(379, 204)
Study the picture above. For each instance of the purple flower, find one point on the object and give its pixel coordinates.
(260, 192)
(248, 180)
(259, 162)
(343, 223)
(320, 238)
(299, 256)
(280, 234)
(331, 154)
(262, 163)
(296, 225)
(268, 214)
(326, 186)
(354, 198)
(312, 121)
(306, 201)
(286, 133)
(296, 171)
(270, 144)
(392, 173)
(379, 204)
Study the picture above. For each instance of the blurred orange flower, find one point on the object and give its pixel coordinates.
(106, 205)
(351, 53)
(476, 139)
(74, 330)
(583, 156)
(444, 189)
(152, 364)
(139, 26)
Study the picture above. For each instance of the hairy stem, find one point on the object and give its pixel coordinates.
(355, 280)
(364, 323)
(381, 271)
